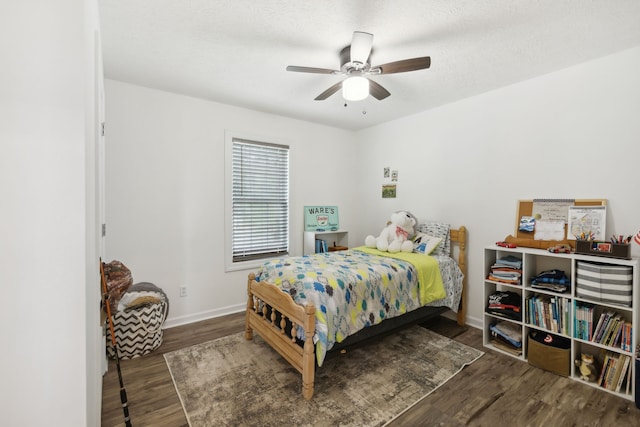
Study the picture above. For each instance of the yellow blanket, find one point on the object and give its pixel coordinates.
(430, 283)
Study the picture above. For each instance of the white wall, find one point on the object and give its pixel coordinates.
(48, 269)
(165, 189)
(573, 133)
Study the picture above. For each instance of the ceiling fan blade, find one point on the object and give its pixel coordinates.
(361, 46)
(404, 65)
(327, 93)
(311, 70)
(377, 91)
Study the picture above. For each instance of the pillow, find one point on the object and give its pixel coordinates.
(437, 229)
(425, 244)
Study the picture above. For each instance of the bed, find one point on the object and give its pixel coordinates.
(304, 307)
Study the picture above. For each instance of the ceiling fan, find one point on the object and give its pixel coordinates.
(355, 64)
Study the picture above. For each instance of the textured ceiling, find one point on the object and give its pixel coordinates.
(236, 51)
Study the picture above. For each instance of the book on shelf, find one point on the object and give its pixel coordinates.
(628, 390)
(623, 372)
(606, 326)
(607, 369)
(597, 333)
(625, 339)
(566, 317)
(615, 375)
(603, 370)
(583, 322)
(611, 330)
(616, 369)
(601, 326)
(615, 339)
(321, 246)
(613, 367)
(550, 313)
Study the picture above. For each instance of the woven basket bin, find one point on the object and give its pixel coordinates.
(138, 330)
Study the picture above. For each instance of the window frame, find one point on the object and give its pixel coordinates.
(230, 137)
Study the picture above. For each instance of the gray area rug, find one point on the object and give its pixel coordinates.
(231, 381)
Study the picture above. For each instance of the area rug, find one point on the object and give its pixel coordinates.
(234, 382)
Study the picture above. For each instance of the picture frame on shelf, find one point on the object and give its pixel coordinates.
(321, 218)
(587, 223)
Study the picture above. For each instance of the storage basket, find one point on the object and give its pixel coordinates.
(138, 329)
(549, 358)
(604, 283)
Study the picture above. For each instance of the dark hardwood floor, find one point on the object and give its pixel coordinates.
(495, 390)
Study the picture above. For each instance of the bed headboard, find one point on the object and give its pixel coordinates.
(458, 238)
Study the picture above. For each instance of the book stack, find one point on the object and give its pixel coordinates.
(616, 372)
(507, 269)
(613, 331)
(321, 246)
(583, 322)
(549, 312)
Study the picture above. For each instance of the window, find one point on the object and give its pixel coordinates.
(259, 200)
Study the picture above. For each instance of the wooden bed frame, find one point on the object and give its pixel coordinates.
(270, 311)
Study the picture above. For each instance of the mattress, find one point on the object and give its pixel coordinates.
(352, 290)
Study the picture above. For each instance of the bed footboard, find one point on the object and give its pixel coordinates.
(459, 241)
(269, 312)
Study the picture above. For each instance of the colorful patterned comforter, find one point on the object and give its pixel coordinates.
(354, 289)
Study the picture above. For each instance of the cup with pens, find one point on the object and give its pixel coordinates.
(621, 240)
(589, 235)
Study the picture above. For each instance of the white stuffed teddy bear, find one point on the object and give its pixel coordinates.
(397, 235)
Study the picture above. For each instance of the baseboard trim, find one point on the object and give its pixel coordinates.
(233, 309)
(203, 315)
(474, 322)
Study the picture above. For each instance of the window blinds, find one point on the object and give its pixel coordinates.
(260, 212)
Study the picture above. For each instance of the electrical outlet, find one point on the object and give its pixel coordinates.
(183, 291)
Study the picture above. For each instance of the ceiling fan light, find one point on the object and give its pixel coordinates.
(355, 88)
